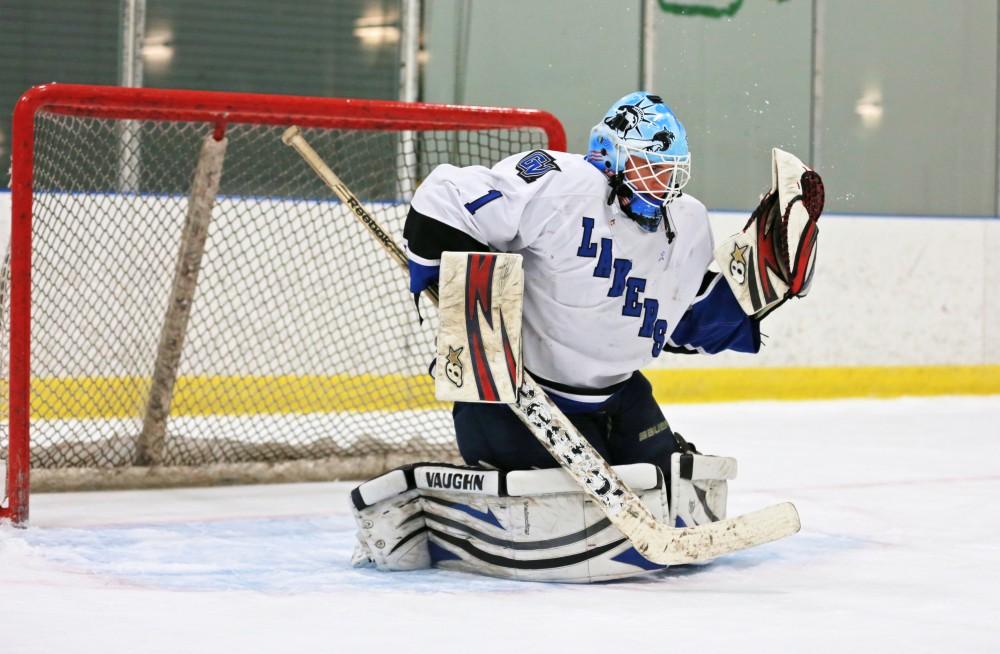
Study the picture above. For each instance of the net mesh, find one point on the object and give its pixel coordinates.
(303, 342)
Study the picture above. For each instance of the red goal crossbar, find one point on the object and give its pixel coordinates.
(214, 108)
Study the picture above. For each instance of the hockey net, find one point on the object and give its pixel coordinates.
(299, 352)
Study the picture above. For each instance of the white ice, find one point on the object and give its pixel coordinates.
(899, 552)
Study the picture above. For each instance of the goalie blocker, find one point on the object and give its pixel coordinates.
(533, 525)
(479, 338)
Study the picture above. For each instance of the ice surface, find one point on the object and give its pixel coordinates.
(900, 552)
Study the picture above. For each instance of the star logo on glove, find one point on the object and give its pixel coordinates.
(738, 263)
(453, 366)
(738, 252)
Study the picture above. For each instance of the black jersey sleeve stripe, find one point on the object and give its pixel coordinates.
(566, 388)
(428, 238)
(673, 348)
(706, 281)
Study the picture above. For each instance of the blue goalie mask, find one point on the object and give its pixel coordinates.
(642, 148)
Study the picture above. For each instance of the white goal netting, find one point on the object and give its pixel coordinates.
(303, 356)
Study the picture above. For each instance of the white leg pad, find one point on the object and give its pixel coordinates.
(532, 525)
(392, 534)
(699, 488)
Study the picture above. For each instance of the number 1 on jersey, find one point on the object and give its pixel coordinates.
(481, 201)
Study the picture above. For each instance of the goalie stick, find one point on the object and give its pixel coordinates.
(657, 542)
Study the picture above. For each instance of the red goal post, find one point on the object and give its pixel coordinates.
(298, 356)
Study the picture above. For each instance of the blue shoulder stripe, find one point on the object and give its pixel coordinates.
(422, 276)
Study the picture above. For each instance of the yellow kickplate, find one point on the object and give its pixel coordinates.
(82, 398)
(735, 384)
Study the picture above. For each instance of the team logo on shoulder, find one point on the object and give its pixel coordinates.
(738, 263)
(535, 164)
(453, 366)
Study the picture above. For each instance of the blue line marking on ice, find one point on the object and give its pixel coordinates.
(312, 555)
(292, 556)
(287, 555)
(800, 547)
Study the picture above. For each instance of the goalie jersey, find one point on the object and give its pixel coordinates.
(602, 297)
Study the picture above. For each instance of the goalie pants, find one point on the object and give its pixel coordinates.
(629, 428)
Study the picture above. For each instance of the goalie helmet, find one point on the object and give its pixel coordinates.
(642, 148)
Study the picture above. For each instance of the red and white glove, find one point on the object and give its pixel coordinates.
(773, 258)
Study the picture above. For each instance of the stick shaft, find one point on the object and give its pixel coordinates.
(293, 138)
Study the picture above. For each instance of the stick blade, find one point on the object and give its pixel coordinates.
(671, 546)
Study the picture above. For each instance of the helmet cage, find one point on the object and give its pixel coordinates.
(659, 178)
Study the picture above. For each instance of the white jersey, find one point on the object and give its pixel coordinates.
(601, 295)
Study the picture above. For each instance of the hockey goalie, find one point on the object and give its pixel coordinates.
(578, 271)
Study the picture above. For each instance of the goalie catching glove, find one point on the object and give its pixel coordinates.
(773, 258)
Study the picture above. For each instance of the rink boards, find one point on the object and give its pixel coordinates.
(899, 306)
